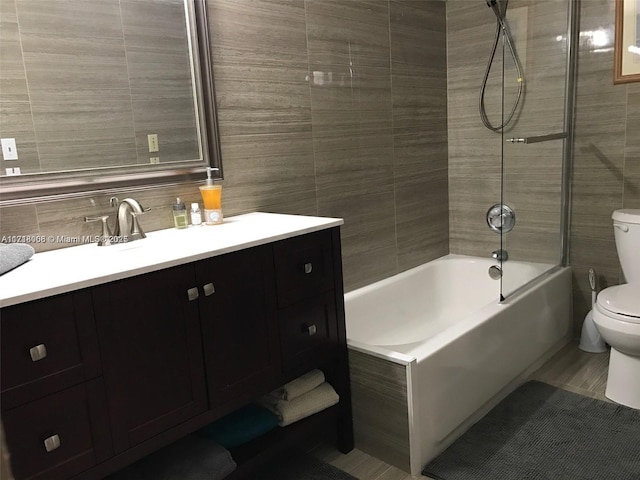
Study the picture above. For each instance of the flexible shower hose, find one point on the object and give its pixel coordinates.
(500, 27)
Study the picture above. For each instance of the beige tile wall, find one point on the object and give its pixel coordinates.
(82, 83)
(607, 153)
(606, 172)
(369, 142)
(531, 173)
(333, 108)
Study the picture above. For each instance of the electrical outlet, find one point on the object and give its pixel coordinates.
(12, 171)
(153, 142)
(154, 160)
(9, 150)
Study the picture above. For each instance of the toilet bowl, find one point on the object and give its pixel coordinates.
(617, 317)
(616, 314)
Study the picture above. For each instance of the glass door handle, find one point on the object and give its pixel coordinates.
(538, 138)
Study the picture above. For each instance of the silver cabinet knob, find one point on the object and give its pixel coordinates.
(308, 267)
(310, 329)
(193, 294)
(51, 443)
(209, 289)
(38, 352)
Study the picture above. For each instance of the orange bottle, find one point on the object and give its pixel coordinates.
(212, 199)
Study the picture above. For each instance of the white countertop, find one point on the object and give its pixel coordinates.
(73, 268)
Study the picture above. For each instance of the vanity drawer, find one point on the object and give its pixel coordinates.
(308, 332)
(47, 345)
(304, 266)
(60, 435)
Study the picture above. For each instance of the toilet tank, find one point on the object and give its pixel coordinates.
(626, 227)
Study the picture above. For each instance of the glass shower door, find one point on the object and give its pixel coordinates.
(534, 140)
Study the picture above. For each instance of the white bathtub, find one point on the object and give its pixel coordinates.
(463, 350)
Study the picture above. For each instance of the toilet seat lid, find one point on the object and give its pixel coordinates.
(623, 300)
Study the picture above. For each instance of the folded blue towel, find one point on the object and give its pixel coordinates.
(241, 426)
(13, 255)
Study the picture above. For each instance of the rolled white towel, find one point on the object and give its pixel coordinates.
(299, 386)
(290, 411)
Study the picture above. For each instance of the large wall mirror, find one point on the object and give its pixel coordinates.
(103, 94)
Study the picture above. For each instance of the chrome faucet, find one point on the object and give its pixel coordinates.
(123, 231)
(500, 255)
(129, 208)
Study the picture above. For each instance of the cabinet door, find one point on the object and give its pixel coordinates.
(304, 267)
(239, 325)
(47, 345)
(308, 332)
(60, 435)
(150, 343)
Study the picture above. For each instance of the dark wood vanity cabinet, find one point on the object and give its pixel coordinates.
(135, 364)
(59, 435)
(307, 307)
(151, 348)
(53, 400)
(239, 325)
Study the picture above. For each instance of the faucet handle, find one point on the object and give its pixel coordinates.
(105, 238)
(136, 229)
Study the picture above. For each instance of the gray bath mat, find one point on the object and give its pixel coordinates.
(302, 466)
(540, 432)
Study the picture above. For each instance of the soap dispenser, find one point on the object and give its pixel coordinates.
(212, 199)
(179, 214)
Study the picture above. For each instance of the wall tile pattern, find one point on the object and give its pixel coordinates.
(531, 173)
(369, 142)
(474, 152)
(419, 85)
(334, 108)
(101, 75)
(606, 173)
(606, 165)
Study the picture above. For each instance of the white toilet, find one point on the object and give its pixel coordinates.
(617, 313)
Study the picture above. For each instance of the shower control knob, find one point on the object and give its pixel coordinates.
(496, 221)
(501, 218)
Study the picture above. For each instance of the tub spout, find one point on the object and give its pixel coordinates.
(500, 255)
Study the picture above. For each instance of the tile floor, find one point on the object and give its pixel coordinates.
(570, 369)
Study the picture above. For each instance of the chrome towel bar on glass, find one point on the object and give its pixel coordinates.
(538, 138)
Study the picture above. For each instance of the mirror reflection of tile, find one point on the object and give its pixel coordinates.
(86, 82)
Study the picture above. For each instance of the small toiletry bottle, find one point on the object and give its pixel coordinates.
(180, 214)
(212, 199)
(196, 216)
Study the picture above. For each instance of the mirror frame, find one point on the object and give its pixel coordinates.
(28, 189)
(619, 46)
